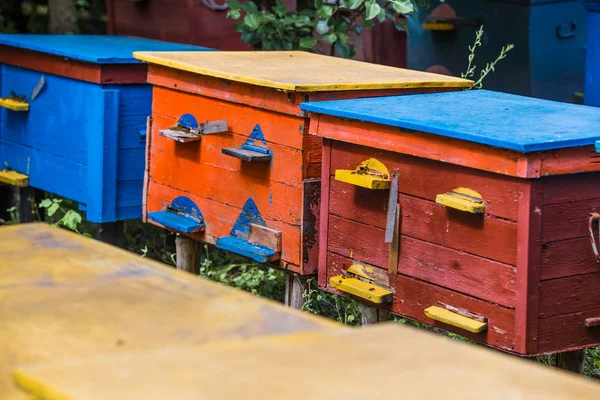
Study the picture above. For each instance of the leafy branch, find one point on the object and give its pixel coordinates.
(335, 23)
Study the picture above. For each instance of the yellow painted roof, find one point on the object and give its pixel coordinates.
(298, 71)
(385, 361)
(63, 295)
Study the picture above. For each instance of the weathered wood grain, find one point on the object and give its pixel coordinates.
(567, 220)
(414, 296)
(476, 276)
(424, 178)
(265, 236)
(568, 331)
(568, 257)
(481, 235)
(570, 188)
(568, 295)
(311, 218)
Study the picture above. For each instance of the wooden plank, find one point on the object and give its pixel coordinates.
(413, 296)
(568, 332)
(220, 219)
(451, 151)
(298, 71)
(361, 289)
(86, 298)
(194, 371)
(424, 178)
(241, 119)
(14, 105)
(324, 214)
(462, 272)
(167, 155)
(103, 142)
(458, 321)
(247, 155)
(591, 322)
(568, 295)
(529, 256)
(573, 361)
(188, 254)
(567, 257)
(570, 188)
(574, 160)
(265, 236)
(232, 92)
(425, 220)
(567, 220)
(311, 156)
(14, 178)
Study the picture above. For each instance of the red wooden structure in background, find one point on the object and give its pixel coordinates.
(197, 22)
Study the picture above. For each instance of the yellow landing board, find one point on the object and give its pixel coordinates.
(383, 361)
(14, 178)
(298, 71)
(63, 295)
(14, 105)
(454, 319)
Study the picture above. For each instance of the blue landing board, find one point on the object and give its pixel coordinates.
(98, 49)
(496, 119)
(242, 247)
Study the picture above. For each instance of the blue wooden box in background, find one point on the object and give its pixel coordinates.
(549, 37)
(83, 135)
(592, 66)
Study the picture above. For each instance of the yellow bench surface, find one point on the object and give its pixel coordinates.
(64, 295)
(298, 71)
(379, 362)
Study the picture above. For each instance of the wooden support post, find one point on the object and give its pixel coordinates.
(295, 286)
(27, 199)
(188, 254)
(573, 361)
(112, 233)
(372, 315)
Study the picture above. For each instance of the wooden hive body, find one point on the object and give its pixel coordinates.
(524, 266)
(83, 136)
(259, 96)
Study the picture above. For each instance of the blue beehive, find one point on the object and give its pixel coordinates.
(592, 65)
(73, 117)
(549, 37)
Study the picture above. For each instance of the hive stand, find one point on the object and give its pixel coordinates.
(73, 112)
(498, 207)
(229, 135)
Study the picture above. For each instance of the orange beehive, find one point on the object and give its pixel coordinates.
(229, 158)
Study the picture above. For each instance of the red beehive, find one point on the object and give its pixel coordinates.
(471, 211)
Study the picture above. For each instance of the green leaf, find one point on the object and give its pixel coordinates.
(322, 27)
(45, 203)
(252, 21)
(332, 37)
(234, 14)
(354, 4)
(367, 24)
(307, 42)
(71, 220)
(52, 209)
(325, 12)
(234, 4)
(382, 15)
(373, 11)
(403, 6)
(250, 7)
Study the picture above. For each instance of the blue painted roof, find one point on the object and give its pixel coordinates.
(496, 119)
(99, 49)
